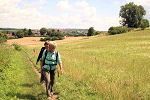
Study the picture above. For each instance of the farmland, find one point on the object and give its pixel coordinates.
(103, 67)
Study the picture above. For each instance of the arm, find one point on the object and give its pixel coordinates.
(61, 69)
(40, 54)
(41, 65)
(42, 60)
(60, 63)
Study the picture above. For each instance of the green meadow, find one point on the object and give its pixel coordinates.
(112, 67)
(18, 81)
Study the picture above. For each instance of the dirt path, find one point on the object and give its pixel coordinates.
(55, 96)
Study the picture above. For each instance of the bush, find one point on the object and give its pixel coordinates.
(144, 24)
(3, 37)
(17, 47)
(118, 30)
(97, 33)
(12, 37)
(51, 38)
(20, 34)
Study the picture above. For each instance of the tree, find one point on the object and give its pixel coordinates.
(91, 31)
(20, 34)
(43, 31)
(131, 15)
(30, 32)
(144, 23)
(25, 32)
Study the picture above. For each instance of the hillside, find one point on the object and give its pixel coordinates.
(109, 67)
(103, 67)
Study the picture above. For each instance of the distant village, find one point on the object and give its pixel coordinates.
(36, 32)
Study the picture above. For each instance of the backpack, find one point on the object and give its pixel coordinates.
(46, 56)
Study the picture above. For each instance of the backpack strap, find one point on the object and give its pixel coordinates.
(56, 56)
(45, 57)
(56, 62)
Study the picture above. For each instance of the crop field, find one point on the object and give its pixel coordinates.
(114, 67)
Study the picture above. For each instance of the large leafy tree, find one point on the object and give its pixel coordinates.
(43, 31)
(91, 31)
(131, 15)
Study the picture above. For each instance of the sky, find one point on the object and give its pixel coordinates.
(35, 14)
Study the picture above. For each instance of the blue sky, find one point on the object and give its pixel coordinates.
(35, 14)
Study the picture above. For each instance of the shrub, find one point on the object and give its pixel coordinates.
(117, 30)
(3, 37)
(144, 23)
(20, 34)
(51, 38)
(16, 46)
(97, 32)
(13, 37)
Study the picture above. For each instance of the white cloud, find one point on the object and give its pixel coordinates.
(79, 15)
(12, 16)
(34, 4)
(116, 2)
(63, 5)
(82, 15)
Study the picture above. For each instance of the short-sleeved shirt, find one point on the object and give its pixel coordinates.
(51, 60)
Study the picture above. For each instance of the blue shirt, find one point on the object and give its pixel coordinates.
(51, 59)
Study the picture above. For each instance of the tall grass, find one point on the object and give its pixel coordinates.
(105, 68)
(17, 78)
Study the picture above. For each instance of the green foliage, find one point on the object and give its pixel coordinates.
(51, 38)
(118, 30)
(91, 31)
(43, 31)
(30, 33)
(25, 31)
(12, 37)
(17, 79)
(132, 15)
(3, 37)
(144, 23)
(20, 34)
(53, 35)
(97, 33)
(17, 47)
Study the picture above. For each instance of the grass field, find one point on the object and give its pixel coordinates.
(104, 67)
(18, 81)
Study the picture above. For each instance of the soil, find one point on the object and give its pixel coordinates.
(34, 41)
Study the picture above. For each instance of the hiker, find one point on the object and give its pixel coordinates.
(40, 56)
(50, 58)
(41, 52)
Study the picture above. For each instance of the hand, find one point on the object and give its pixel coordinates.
(61, 72)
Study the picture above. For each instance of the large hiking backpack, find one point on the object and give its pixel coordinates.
(46, 56)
